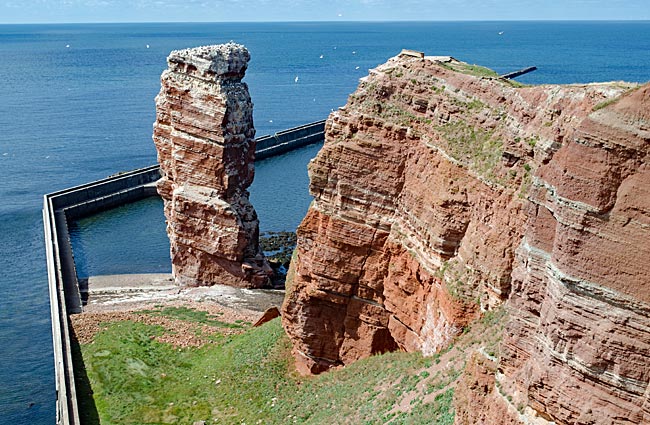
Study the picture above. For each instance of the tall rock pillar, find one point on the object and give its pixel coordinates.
(204, 135)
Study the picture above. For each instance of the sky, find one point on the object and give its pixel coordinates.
(72, 11)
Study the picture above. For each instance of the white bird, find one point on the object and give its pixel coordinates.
(147, 46)
(354, 52)
(500, 32)
(270, 120)
(67, 45)
(321, 56)
(356, 67)
(295, 80)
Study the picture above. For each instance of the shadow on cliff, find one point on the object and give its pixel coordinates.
(87, 409)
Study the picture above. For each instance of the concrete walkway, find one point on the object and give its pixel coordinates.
(134, 291)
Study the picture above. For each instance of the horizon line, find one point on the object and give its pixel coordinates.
(342, 21)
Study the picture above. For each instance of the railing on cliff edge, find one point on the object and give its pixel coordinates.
(93, 197)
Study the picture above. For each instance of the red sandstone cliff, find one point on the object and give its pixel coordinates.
(577, 348)
(204, 135)
(442, 192)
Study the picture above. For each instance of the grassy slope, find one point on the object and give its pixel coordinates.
(249, 378)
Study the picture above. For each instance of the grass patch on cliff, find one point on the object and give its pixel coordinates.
(250, 378)
(604, 104)
(466, 68)
(396, 114)
(473, 146)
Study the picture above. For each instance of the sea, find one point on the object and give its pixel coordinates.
(77, 104)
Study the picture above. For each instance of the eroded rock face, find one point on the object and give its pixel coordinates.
(204, 135)
(577, 349)
(443, 191)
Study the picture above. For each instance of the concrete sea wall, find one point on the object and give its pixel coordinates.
(65, 299)
(288, 140)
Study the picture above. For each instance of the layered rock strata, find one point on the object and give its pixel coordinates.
(204, 136)
(443, 191)
(577, 348)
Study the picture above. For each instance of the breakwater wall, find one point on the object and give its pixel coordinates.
(90, 198)
(288, 140)
(65, 299)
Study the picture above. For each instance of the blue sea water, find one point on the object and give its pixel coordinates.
(76, 104)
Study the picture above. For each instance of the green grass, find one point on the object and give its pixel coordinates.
(526, 181)
(480, 71)
(457, 282)
(193, 316)
(475, 70)
(473, 146)
(130, 377)
(249, 378)
(395, 113)
(604, 104)
(136, 379)
(532, 141)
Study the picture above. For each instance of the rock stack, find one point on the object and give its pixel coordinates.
(204, 135)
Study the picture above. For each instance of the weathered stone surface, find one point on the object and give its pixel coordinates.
(442, 191)
(204, 135)
(577, 349)
(478, 399)
(270, 314)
